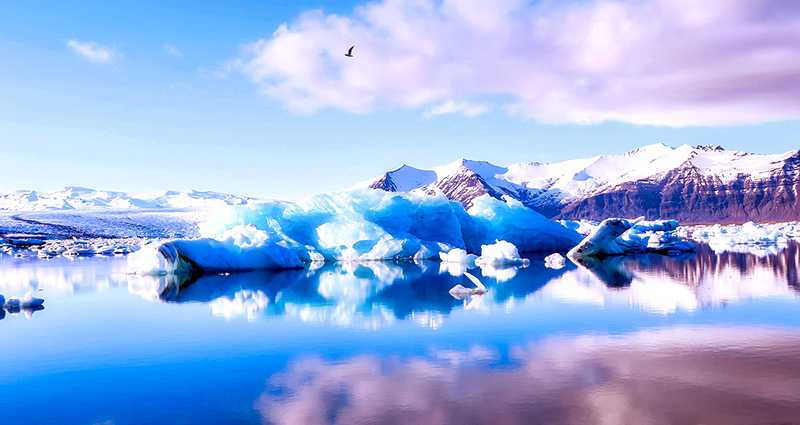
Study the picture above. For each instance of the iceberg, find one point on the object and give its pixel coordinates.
(618, 236)
(358, 225)
(233, 253)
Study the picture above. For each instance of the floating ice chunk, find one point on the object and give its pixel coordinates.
(616, 236)
(601, 237)
(554, 261)
(720, 237)
(211, 255)
(28, 301)
(656, 226)
(500, 253)
(457, 256)
(460, 292)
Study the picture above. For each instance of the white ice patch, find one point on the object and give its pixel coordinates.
(500, 253)
(747, 234)
(554, 261)
(457, 255)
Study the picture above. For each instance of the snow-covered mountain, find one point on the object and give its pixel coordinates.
(80, 198)
(691, 184)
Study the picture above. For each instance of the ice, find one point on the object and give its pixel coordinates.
(500, 253)
(247, 249)
(525, 228)
(732, 237)
(617, 236)
(457, 255)
(27, 301)
(554, 261)
(358, 225)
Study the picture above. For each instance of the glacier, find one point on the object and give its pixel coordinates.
(358, 225)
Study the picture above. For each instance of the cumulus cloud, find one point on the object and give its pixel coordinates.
(660, 62)
(93, 51)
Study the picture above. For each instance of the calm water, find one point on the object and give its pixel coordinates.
(705, 339)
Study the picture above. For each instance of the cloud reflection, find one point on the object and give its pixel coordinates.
(675, 376)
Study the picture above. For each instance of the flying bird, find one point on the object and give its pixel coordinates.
(349, 53)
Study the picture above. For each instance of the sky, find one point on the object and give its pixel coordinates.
(256, 98)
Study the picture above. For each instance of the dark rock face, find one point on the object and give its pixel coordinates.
(690, 197)
(465, 186)
(384, 183)
(683, 194)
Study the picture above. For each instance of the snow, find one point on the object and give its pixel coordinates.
(572, 179)
(81, 198)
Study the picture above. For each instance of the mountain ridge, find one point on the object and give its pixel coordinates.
(697, 184)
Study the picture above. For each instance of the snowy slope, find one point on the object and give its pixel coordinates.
(79, 198)
(553, 188)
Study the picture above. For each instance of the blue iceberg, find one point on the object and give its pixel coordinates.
(358, 225)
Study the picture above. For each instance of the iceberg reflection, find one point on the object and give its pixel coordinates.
(710, 376)
(373, 294)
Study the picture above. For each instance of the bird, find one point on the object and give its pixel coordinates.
(349, 53)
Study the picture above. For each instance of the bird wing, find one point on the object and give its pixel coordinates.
(475, 281)
(349, 52)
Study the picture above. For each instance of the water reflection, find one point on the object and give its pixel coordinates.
(62, 274)
(375, 294)
(711, 376)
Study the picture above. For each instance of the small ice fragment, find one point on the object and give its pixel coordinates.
(554, 261)
(500, 252)
(460, 291)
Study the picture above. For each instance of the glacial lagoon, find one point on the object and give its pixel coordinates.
(710, 338)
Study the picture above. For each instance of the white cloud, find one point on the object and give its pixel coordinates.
(661, 62)
(451, 107)
(93, 51)
(172, 50)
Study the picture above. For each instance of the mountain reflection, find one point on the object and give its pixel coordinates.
(375, 294)
(677, 376)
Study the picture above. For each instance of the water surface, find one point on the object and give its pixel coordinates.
(706, 338)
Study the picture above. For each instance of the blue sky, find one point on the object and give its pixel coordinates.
(145, 96)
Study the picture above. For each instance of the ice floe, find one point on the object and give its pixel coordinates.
(760, 239)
